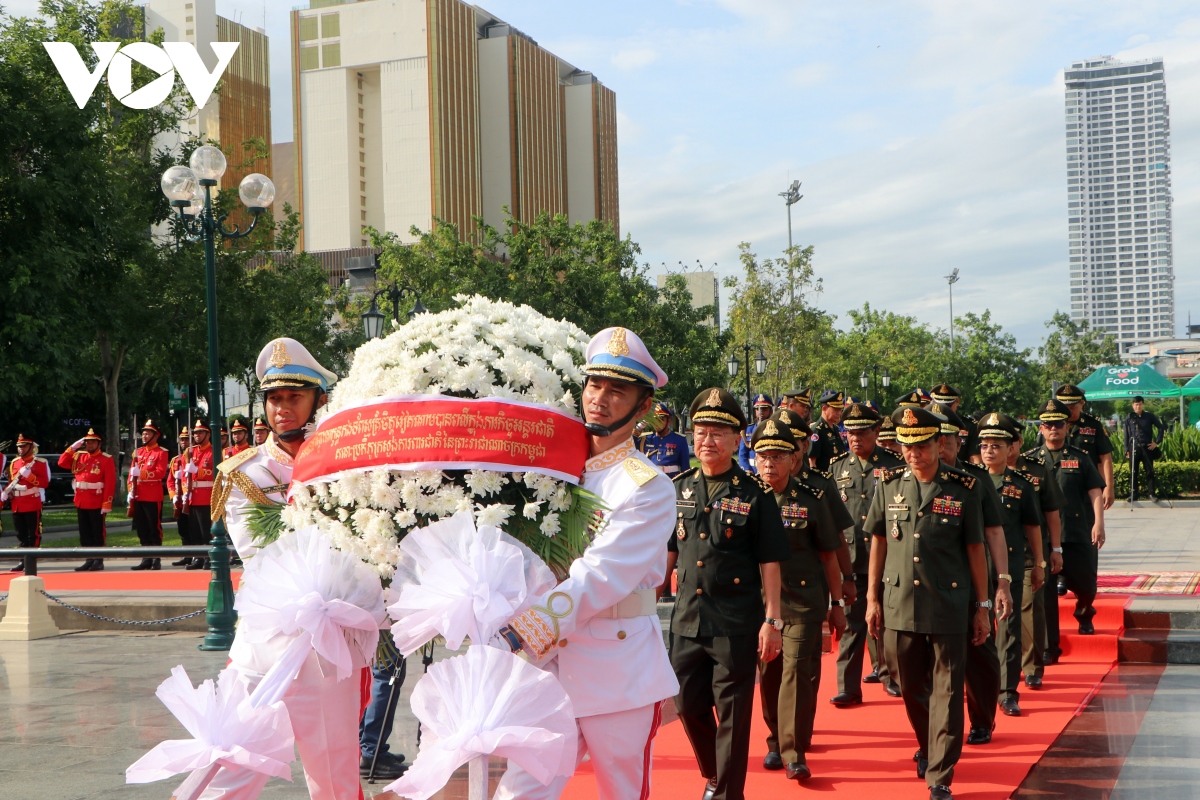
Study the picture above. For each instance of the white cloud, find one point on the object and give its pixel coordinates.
(635, 58)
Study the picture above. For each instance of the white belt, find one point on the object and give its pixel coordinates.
(91, 486)
(202, 484)
(641, 603)
(26, 492)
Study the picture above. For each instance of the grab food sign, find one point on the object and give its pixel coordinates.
(118, 61)
(1121, 376)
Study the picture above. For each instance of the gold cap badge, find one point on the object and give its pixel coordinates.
(279, 354)
(714, 398)
(994, 419)
(769, 428)
(617, 345)
(909, 417)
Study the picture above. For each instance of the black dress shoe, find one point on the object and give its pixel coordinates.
(845, 699)
(183, 562)
(773, 762)
(798, 771)
(710, 789)
(1051, 657)
(1010, 707)
(979, 736)
(1033, 681)
(156, 563)
(85, 566)
(892, 689)
(922, 764)
(940, 792)
(146, 562)
(385, 768)
(1086, 627)
(20, 567)
(1062, 589)
(98, 565)
(872, 678)
(199, 563)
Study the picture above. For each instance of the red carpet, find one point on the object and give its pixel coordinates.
(1149, 582)
(123, 580)
(866, 752)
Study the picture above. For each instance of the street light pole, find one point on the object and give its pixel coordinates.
(873, 379)
(790, 197)
(952, 279)
(183, 187)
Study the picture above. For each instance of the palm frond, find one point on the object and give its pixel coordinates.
(266, 523)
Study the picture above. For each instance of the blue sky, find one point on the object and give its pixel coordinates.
(927, 135)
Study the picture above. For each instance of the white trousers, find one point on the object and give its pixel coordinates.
(620, 746)
(324, 716)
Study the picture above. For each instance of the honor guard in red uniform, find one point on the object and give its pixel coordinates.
(241, 438)
(146, 476)
(176, 490)
(199, 482)
(95, 484)
(28, 477)
(261, 432)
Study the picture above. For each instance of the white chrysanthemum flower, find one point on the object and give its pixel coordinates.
(495, 515)
(550, 525)
(561, 501)
(405, 518)
(484, 482)
(530, 511)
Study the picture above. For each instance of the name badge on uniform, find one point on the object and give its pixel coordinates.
(1011, 491)
(947, 506)
(734, 505)
(1070, 463)
(685, 503)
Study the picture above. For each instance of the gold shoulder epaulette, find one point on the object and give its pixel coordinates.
(1031, 453)
(235, 461)
(892, 473)
(840, 456)
(762, 484)
(822, 473)
(1029, 476)
(960, 476)
(686, 472)
(814, 491)
(641, 473)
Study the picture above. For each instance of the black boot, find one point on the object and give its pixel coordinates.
(146, 562)
(157, 563)
(183, 562)
(98, 565)
(199, 563)
(85, 566)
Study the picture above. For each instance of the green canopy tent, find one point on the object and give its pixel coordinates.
(1122, 382)
(1192, 387)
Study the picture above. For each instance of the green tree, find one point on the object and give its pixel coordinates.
(584, 273)
(989, 369)
(1072, 350)
(909, 350)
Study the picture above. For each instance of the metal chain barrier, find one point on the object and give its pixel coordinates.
(120, 621)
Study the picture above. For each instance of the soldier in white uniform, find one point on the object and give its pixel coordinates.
(323, 710)
(598, 631)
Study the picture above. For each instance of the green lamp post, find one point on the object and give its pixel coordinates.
(190, 191)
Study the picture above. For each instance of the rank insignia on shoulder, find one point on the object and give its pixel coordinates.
(641, 473)
(892, 474)
(735, 480)
(814, 491)
(1029, 476)
(966, 480)
(1069, 463)
(766, 487)
(947, 506)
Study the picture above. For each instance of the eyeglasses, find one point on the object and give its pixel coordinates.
(1053, 425)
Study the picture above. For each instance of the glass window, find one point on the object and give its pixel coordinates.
(309, 58)
(331, 55)
(308, 29)
(330, 25)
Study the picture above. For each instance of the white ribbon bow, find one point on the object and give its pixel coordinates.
(455, 581)
(489, 702)
(226, 732)
(299, 585)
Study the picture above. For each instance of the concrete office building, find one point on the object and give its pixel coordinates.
(407, 111)
(1119, 198)
(705, 290)
(240, 110)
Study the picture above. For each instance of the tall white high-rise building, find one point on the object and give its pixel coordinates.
(1119, 198)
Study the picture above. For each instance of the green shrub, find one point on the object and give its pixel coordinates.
(1172, 478)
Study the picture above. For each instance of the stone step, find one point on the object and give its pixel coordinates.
(1161, 630)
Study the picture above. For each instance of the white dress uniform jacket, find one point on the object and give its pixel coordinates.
(609, 664)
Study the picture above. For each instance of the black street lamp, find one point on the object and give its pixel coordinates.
(760, 367)
(875, 375)
(184, 187)
(373, 319)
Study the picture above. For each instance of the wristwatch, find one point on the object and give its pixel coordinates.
(838, 603)
(1043, 564)
(1056, 550)
(777, 624)
(846, 578)
(984, 604)
(1004, 577)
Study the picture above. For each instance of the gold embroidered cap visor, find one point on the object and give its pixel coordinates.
(771, 435)
(717, 406)
(945, 393)
(1069, 395)
(995, 433)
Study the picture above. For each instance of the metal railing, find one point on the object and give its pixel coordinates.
(219, 613)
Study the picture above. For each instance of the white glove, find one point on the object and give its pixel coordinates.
(129, 498)
(178, 475)
(42, 494)
(78, 445)
(134, 471)
(25, 470)
(192, 469)
(4, 493)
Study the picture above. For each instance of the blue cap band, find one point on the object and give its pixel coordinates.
(295, 371)
(622, 364)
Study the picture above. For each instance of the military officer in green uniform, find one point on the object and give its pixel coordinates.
(927, 569)
(827, 442)
(1039, 609)
(1023, 536)
(728, 544)
(1087, 432)
(811, 581)
(983, 661)
(857, 473)
(799, 402)
(1083, 512)
(827, 489)
(947, 395)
